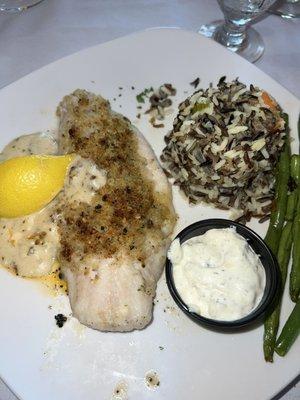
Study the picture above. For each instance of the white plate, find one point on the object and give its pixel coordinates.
(40, 361)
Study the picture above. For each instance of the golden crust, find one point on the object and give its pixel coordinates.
(127, 209)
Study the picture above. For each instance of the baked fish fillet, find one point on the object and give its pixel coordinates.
(113, 249)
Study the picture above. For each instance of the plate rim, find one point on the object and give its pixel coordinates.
(142, 32)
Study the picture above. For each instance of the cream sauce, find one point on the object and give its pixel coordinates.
(83, 180)
(29, 244)
(35, 143)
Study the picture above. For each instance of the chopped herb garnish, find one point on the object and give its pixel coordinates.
(60, 320)
(195, 83)
(141, 96)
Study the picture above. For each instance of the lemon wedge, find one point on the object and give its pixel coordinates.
(29, 183)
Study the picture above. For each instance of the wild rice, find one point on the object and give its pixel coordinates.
(224, 147)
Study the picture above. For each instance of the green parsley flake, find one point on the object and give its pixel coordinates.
(145, 93)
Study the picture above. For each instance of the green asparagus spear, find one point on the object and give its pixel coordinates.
(272, 321)
(291, 328)
(299, 131)
(293, 197)
(281, 191)
(280, 241)
(290, 331)
(295, 270)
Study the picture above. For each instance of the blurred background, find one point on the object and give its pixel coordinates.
(55, 28)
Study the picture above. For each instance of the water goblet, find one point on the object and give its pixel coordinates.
(234, 32)
(287, 9)
(17, 5)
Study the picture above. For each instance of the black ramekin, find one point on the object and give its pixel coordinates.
(269, 262)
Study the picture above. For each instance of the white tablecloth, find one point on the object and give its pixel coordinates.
(56, 28)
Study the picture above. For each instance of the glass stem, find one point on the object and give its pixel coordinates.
(231, 34)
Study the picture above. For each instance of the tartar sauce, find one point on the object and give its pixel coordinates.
(217, 274)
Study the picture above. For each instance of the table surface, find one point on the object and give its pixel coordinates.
(56, 28)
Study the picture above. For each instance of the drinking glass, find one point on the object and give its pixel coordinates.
(17, 5)
(234, 32)
(287, 9)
